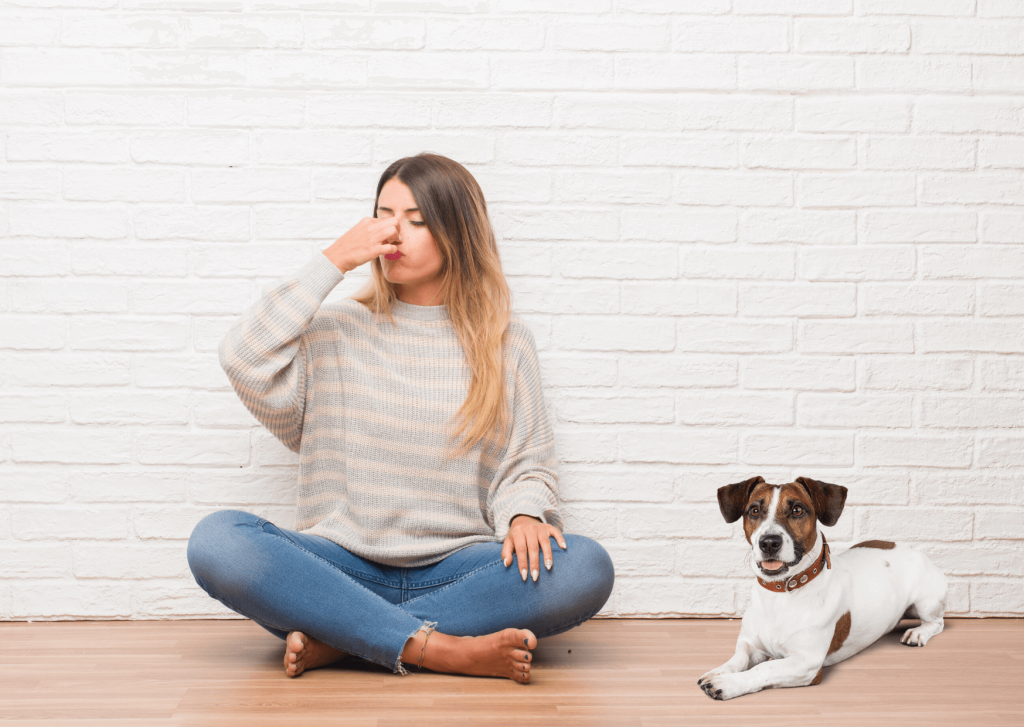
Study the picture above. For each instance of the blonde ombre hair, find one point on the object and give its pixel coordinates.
(473, 286)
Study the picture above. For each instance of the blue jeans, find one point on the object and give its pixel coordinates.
(290, 581)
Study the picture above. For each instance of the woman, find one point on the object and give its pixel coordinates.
(426, 457)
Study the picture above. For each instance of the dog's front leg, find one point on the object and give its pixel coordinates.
(798, 670)
(745, 657)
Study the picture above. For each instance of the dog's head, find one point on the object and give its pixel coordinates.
(781, 521)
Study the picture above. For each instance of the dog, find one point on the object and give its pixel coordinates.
(809, 609)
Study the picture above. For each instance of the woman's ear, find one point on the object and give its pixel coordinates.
(732, 499)
(828, 500)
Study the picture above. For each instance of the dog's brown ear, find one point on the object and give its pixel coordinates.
(828, 500)
(732, 499)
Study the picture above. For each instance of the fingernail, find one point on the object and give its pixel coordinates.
(547, 564)
(535, 574)
(563, 545)
(523, 571)
(507, 561)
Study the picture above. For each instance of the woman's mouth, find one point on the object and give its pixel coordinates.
(393, 256)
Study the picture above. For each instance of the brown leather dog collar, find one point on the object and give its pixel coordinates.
(804, 577)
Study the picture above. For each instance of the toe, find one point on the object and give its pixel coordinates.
(527, 639)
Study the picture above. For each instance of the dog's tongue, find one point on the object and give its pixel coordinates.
(771, 564)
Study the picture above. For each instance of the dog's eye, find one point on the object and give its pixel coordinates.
(755, 511)
(798, 510)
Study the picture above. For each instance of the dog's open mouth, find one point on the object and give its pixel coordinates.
(773, 567)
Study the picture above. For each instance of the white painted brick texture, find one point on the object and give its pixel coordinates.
(776, 237)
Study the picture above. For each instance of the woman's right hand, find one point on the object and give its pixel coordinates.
(370, 237)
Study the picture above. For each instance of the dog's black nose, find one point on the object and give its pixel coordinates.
(770, 544)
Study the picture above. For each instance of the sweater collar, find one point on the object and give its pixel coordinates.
(401, 309)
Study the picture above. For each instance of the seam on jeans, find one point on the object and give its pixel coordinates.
(360, 585)
(453, 583)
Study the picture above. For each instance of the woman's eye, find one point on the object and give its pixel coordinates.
(418, 223)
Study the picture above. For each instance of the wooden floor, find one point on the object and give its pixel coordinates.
(608, 672)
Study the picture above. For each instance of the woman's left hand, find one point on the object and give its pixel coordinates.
(528, 537)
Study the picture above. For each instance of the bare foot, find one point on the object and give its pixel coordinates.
(304, 652)
(501, 654)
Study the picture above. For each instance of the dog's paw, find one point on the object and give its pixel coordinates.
(916, 637)
(720, 686)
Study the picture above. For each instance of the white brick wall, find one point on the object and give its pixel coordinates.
(776, 237)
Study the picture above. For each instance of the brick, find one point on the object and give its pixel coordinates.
(639, 112)
(987, 188)
(42, 408)
(678, 446)
(129, 485)
(924, 153)
(856, 190)
(269, 451)
(979, 336)
(902, 373)
(69, 296)
(167, 523)
(1001, 374)
(597, 522)
(72, 445)
(102, 222)
(66, 369)
(799, 153)
(168, 260)
(677, 371)
(1002, 227)
(1000, 525)
(1003, 37)
(351, 31)
(548, 72)
(730, 408)
(705, 112)
(459, 111)
(211, 223)
(889, 226)
(70, 523)
(191, 297)
(622, 408)
(851, 36)
(570, 370)
(207, 332)
(667, 522)
(245, 108)
(30, 184)
(121, 30)
(602, 36)
(138, 408)
(666, 223)
(218, 411)
(1000, 9)
(313, 147)
(798, 449)
(677, 298)
(52, 599)
(1001, 300)
(793, 7)
(758, 263)
(33, 260)
(468, 148)
(516, 185)
(804, 300)
(847, 337)
(526, 259)
(174, 67)
(39, 108)
(998, 74)
(695, 7)
(857, 264)
(584, 297)
(620, 333)
(845, 411)
(95, 147)
(124, 560)
(798, 74)
(674, 597)
(35, 560)
(193, 448)
(65, 67)
(875, 487)
(403, 6)
(193, 147)
(723, 188)
(847, 114)
(961, 115)
(162, 600)
(1001, 153)
(965, 488)
(659, 260)
(923, 299)
(585, 445)
(675, 72)
(33, 484)
(33, 332)
(125, 108)
(602, 187)
(640, 559)
(819, 227)
(1000, 451)
(917, 7)
(129, 334)
(615, 485)
(914, 450)
(943, 524)
(729, 36)
(220, 487)
(249, 185)
(563, 149)
(902, 74)
(717, 336)
(817, 373)
(969, 262)
(712, 153)
(251, 260)
(958, 412)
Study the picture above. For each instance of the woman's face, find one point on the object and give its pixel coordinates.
(416, 267)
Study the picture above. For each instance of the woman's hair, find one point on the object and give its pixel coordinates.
(473, 286)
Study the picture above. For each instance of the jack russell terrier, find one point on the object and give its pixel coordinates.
(808, 609)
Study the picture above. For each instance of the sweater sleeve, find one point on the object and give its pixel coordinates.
(263, 353)
(526, 482)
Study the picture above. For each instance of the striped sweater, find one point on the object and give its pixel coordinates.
(369, 407)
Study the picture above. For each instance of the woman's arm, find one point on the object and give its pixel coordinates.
(264, 354)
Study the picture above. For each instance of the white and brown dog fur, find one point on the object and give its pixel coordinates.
(789, 635)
